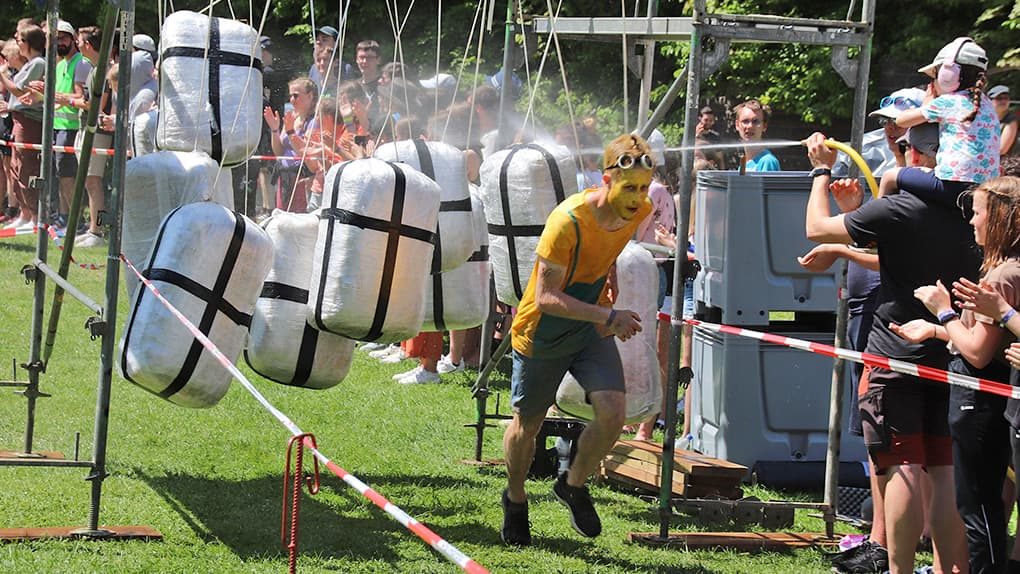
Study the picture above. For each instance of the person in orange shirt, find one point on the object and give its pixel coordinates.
(565, 322)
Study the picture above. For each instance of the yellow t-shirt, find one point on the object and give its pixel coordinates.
(571, 238)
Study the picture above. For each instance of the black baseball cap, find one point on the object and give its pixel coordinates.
(329, 31)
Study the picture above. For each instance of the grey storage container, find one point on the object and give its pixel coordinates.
(760, 402)
(749, 231)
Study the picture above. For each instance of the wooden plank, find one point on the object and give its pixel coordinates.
(723, 482)
(58, 532)
(743, 541)
(648, 480)
(689, 491)
(686, 461)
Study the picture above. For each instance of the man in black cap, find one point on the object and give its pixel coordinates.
(323, 55)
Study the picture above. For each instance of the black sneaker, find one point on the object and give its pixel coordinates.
(516, 528)
(583, 517)
(865, 558)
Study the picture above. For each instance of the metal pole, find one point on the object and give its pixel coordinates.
(505, 99)
(648, 63)
(665, 105)
(77, 202)
(481, 388)
(694, 68)
(115, 215)
(44, 186)
(836, 391)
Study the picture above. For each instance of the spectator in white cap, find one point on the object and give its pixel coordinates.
(1008, 144)
(441, 89)
(968, 126)
(71, 74)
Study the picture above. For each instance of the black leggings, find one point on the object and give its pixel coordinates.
(980, 455)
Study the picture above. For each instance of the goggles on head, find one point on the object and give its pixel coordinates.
(627, 161)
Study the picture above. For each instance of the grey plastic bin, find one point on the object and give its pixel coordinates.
(760, 402)
(749, 230)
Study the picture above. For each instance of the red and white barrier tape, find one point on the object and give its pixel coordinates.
(449, 551)
(109, 151)
(60, 148)
(52, 233)
(870, 359)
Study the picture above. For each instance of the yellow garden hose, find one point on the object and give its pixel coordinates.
(856, 157)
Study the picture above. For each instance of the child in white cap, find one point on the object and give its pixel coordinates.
(968, 126)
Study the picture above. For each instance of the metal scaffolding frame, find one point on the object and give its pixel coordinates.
(711, 36)
(103, 324)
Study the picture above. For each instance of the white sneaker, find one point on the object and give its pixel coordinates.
(380, 353)
(422, 377)
(445, 365)
(89, 239)
(369, 347)
(16, 223)
(394, 357)
(413, 371)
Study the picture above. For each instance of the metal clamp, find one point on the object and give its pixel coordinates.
(30, 273)
(96, 327)
(37, 182)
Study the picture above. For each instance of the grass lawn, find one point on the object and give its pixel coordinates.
(210, 480)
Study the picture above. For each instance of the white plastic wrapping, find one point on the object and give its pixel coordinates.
(374, 251)
(282, 346)
(210, 96)
(444, 164)
(143, 128)
(638, 280)
(459, 299)
(209, 263)
(158, 183)
(657, 142)
(520, 187)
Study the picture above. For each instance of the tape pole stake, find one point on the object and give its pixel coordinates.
(447, 550)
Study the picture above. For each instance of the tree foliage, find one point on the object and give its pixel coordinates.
(795, 79)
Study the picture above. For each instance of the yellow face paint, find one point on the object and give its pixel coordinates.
(628, 191)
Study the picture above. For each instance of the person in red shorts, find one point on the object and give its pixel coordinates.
(905, 419)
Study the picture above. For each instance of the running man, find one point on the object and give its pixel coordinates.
(566, 322)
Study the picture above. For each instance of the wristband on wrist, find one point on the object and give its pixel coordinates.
(290, 132)
(947, 316)
(819, 171)
(612, 315)
(1005, 318)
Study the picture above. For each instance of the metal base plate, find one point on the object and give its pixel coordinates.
(79, 533)
(743, 541)
(39, 454)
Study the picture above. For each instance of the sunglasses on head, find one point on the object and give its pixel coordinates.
(627, 161)
(897, 101)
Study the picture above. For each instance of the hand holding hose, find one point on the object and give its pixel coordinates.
(819, 152)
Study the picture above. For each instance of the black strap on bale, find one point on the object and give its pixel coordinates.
(394, 228)
(427, 168)
(217, 57)
(214, 299)
(309, 336)
(508, 229)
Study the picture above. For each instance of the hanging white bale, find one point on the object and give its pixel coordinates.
(210, 95)
(158, 183)
(459, 299)
(638, 280)
(209, 263)
(143, 133)
(374, 251)
(282, 346)
(520, 187)
(444, 164)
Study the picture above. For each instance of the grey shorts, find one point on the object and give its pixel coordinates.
(533, 382)
(67, 162)
(97, 164)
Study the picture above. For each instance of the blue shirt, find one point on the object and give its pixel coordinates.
(764, 161)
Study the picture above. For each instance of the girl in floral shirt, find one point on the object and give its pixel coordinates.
(968, 127)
